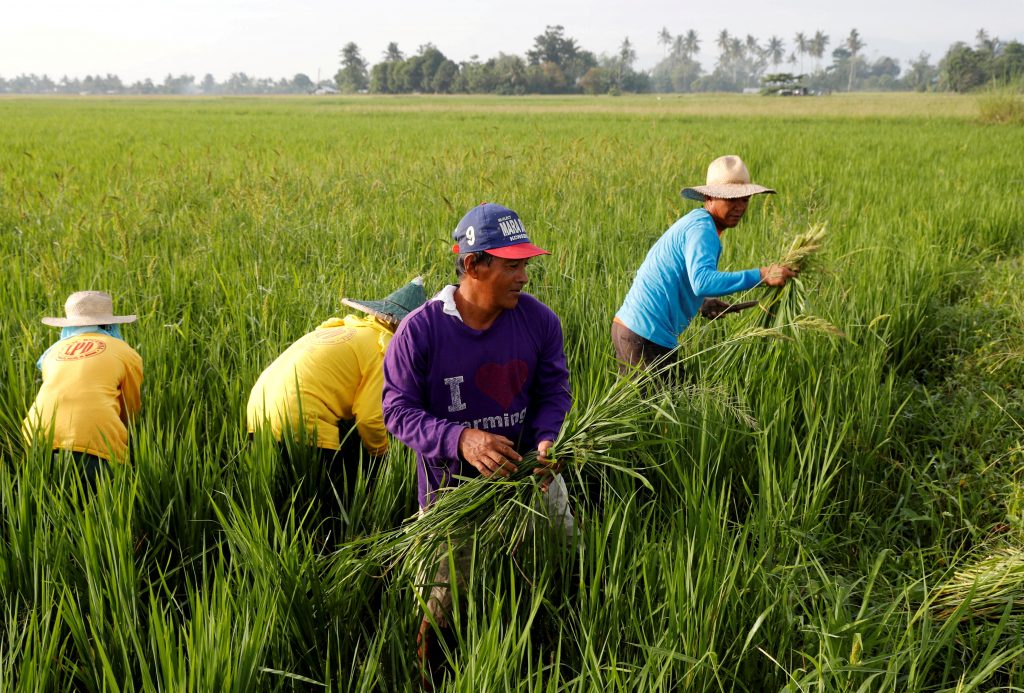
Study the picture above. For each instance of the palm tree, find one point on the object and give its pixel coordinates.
(723, 40)
(854, 45)
(679, 47)
(817, 46)
(691, 44)
(736, 53)
(801, 47)
(665, 38)
(775, 51)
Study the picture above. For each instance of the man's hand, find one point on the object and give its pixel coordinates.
(777, 275)
(713, 307)
(548, 466)
(491, 454)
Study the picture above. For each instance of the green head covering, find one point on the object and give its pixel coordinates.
(396, 305)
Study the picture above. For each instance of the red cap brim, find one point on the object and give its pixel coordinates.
(518, 251)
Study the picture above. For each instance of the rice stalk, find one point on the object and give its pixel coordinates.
(788, 306)
(985, 588)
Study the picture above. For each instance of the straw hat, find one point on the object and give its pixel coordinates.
(395, 305)
(89, 308)
(728, 178)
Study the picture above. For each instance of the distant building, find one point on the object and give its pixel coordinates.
(325, 89)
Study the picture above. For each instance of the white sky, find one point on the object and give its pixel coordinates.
(136, 39)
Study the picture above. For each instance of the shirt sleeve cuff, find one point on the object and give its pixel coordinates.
(753, 277)
(451, 441)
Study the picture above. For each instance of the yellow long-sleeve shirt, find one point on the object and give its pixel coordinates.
(334, 373)
(91, 390)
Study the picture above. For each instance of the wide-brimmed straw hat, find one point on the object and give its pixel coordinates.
(728, 179)
(396, 305)
(89, 308)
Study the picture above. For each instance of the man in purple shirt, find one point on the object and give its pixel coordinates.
(477, 375)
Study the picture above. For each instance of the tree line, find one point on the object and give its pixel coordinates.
(558, 64)
(237, 83)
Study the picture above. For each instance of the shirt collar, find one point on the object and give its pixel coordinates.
(447, 297)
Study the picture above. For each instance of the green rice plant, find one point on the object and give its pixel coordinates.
(785, 515)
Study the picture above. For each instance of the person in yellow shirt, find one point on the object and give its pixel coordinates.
(91, 385)
(331, 377)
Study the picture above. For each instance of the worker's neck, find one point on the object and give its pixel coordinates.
(478, 309)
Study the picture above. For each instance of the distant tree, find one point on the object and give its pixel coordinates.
(417, 73)
(962, 68)
(678, 71)
(691, 43)
(183, 84)
(626, 59)
(665, 38)
(444, 78)
(554, 47)
(817, 45)
(883, 75)
(854, 45)
(477, 77)
(800, 46)
(1008, 66)
(751, 46)
(986, 45)
(546, 78)
(775, 51)
(380, 78)
(147, 87)
(352, 77)
(301, 83)
(509, 74)
(780, 82)
(922, 75)
(723, 41)
(209, 84)
(597, 80)
(392, 54)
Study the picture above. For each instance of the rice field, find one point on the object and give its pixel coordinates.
(811, 510)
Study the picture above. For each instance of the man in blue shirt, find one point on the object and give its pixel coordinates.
(680, 275)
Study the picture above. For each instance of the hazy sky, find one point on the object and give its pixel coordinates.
(151, 38)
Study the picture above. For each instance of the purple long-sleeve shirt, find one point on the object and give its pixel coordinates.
(441, 376)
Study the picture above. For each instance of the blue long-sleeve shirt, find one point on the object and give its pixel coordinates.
(679, 272)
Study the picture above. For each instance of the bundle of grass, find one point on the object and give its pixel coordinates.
(615, 432)
(788, 307)
(986, 588)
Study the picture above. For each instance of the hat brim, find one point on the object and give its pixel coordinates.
(724, 191)
(385, 310)
(86, 320)
(519, 251)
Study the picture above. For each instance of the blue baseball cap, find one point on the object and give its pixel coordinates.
(496, 229)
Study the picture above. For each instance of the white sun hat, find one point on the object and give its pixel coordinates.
(89, 308)
(728, 179)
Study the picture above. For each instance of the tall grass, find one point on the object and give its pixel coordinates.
(810, 509)
(1002, 105)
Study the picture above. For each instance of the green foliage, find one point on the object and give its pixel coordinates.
(815, 512)
(352, 76)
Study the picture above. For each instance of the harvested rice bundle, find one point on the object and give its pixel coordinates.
(984, 588)
(788, 307)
